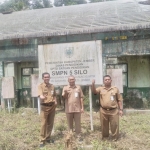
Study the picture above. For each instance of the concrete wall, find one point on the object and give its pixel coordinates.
(137, 93)
(138, 72)
(9, 69)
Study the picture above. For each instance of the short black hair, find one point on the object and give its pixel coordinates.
(44, 74)
(106, 76)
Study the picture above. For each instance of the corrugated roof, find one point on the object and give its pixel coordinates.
(77, 19)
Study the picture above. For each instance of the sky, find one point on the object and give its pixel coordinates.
(1, 1)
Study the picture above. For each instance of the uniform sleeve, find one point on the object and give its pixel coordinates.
(98, 90)
(81, 93)
(54, 91)
(119, 96)
(40, 90)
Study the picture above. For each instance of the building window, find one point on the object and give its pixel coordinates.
(26, 76)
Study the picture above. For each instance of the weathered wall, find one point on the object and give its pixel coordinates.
(137, 93)
(137, 98)
(14, 50)
(138, 72)
(121, 45)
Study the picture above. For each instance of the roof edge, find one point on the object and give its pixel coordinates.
(79, 31)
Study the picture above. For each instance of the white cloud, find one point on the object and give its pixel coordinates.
(1, 1)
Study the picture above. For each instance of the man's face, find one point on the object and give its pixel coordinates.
(71, 81)
(46, 78)
(107, 81)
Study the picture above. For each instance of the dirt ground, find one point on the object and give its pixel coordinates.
(20, 131)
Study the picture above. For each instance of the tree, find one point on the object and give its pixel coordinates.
(145, 2)
(68, 2)
(95, 1)
(18, 5)
(58, 3)
(37, 4)
(14, 5)
(47, 3)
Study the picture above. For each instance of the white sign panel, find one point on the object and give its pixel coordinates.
(116, 76)
(80, 59)
(34, 85)
(8, 88)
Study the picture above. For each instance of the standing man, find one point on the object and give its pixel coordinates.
(73, 96)
(111, 107)
(47, 95)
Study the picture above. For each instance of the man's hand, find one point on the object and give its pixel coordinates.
(121, 113)
(42, 97)
(93, 82)
(65, 91)
(82, 110)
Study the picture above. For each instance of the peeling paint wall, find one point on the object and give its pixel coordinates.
(137, 98)
(137, 93)
(139, 71)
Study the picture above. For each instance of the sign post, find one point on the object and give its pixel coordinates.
(83, 60)
(91, 112)
(9, 107)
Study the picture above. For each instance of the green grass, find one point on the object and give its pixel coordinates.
(20, 131)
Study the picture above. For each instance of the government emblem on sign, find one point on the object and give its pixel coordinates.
(69, 51)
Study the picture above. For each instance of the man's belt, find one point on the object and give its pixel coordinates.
(48, 104)
(108, 108)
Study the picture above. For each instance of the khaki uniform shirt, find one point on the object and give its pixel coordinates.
(72, 98)
(48, 91)
(109, 97)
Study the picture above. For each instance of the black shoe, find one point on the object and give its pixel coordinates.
(41, 145)
(79, 139)
(50, 141)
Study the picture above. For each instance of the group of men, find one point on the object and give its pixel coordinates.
(110, 101)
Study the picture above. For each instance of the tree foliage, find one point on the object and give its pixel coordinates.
(68, 2)
(18, 5)
(14, 5)
(37, 4)
(95, 1)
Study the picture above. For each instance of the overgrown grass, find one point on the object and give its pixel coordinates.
(20, 131)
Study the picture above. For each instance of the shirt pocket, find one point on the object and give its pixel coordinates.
(103, 93)
(45, 92)
(69, 92)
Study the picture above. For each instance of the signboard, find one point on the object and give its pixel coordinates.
(80, 59)
(116, 76)
(34, 85)
(8, 91)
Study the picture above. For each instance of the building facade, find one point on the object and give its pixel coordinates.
(124, 31)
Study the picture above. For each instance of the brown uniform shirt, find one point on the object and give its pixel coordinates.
(48, 91)
(72, 98)
(109, 97)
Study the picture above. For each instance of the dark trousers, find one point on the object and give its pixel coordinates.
(47, 121)
(111, 118)
(76, 117)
